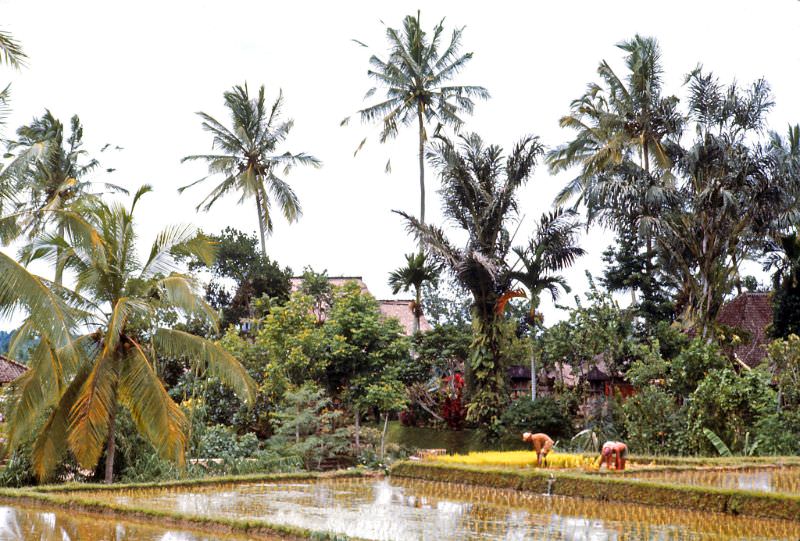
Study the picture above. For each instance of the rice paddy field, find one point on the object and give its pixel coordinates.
(783, 480)
(406, 509)
(521, 459)
(24, 523)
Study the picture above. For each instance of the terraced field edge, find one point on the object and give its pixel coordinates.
(610, 488)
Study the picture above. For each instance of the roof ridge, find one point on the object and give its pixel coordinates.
(11, 361)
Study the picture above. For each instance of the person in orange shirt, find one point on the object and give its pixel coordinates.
(617, 450)
(542, 444)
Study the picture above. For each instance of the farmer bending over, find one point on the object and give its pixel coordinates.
(542, 444)
(618, 450)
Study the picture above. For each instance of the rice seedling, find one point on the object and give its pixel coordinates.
(785, 480)
(521, 459)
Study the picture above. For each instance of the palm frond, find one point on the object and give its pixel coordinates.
(154, 413)
(208, 355)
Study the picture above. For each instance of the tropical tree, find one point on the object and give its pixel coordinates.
(734, 194)
(99, 345)
(552, 249)
(48, 174)
(416, 77)
(249, 161)
(624, 128)
(479, 193)
(417, 272)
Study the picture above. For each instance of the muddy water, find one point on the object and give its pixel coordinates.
(400, 509)
(785, 480)
(27, 524)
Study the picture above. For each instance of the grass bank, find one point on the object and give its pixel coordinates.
(609, 488)
(212, 482)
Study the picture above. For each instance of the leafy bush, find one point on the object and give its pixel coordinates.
(654, 422)
(692, 364)
(730, 405)
(219, 441)
(542, 415)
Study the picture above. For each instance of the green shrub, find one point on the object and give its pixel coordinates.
(542, 415)
(654, 422)
(219, 441)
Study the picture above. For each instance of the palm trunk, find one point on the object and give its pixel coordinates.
(111, 446)
(417, 310)
(261, 229)
(421, 169)
(59, 277)
(488, 384)
(533, 377)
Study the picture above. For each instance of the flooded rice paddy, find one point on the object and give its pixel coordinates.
(399, 509)
(786, 480)
(31, 524)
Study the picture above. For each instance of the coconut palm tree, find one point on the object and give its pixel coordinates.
(553, 248)
(48, 173)
(99, 345)
(618, 121)
(416, 77)
(479, 195)
(417, 272)
(249, 161)
(624, 131)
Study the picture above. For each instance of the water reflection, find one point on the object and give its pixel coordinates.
(23, 524)
(763, 480)
(416, 510)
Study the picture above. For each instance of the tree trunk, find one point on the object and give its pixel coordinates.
(487, 384)
(421, 169)
(261, 229)
(358, 433)
(111, 446)
(417, 310)
(383, 434)
(59, 277)
(533, 377)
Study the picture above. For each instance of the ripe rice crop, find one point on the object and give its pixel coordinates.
(521, 459)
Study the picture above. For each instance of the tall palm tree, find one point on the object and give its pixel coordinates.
(97, 349)
(417, 272)
(617, 121)
(248, 160)
(49, 173)
(416, 77)
(624, 127)
(553, 248)
(479, 195)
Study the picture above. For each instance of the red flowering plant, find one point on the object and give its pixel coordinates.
(452, 407)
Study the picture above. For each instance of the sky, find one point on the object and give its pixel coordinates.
(137, 73)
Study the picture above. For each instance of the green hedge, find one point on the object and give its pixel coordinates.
(608, 488)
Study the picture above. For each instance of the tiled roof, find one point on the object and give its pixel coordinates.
(399, 309)
(10, 370)
(751, 312)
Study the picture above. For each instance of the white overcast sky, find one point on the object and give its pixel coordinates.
(136, 73)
